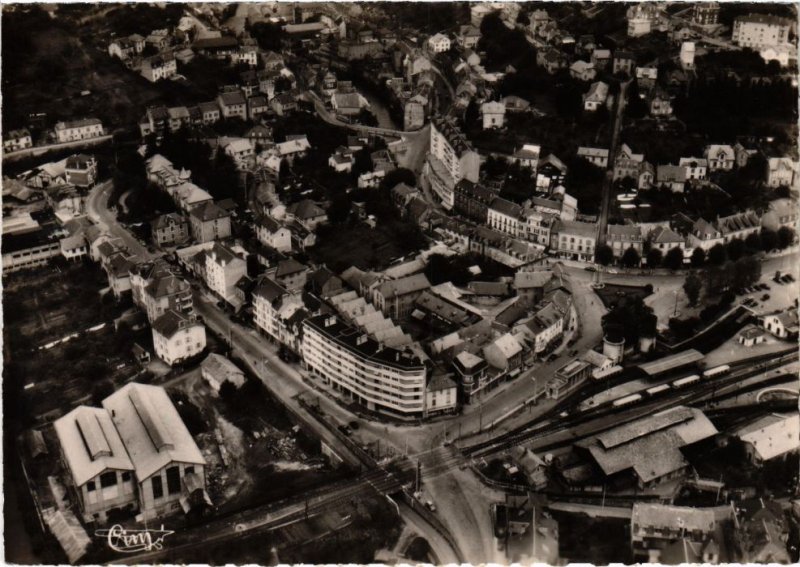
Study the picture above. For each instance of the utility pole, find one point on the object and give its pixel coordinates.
(418, 479)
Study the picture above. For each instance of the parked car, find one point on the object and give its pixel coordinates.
(590, 269)
(765, 297)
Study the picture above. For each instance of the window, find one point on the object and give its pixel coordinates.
(126, 476)
(108, 479)
(188, 470)
(90, 486)
(158, 489)
(173, 480)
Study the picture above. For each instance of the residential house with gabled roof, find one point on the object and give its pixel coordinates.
(217, 369)
(396, 298)
(781, 171)
(158, 67)
(272, 233)
(783, 324)
(696, 168)
(664, 533)
(75, 130)
(438, 43)
(665, 239)
(705, 235)
(528, 156)
(721, 157)
(596, 96)
(504, 354)
(573, 239)
(550, 172)
(232, 105)
(155, 289)
(307, 213)
(294, 146)
(673, 177)
(178, 336)
(601, 58)
(17, 140)
(290, 274)
(505, 216)
(595, 156)
(468, 36)
(551, 60)
(210, 222)
(627, 163)
(81, 170)
(284, 103)
(325, 283)
(582, 71)
(781, 212)
(493, 114)
(739, 225)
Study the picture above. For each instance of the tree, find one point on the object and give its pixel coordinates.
(698, 257)
(630, 319)
(654, 257)
(362, 162)
(785, 237)
(717, 255)
(674, 258)
(752, 243)
(603, 254)
(636, 107)
(692, 286)
(630, 258)
(769, 239)
(399, 175)
(735, 249)
(471, 115)
(746, 271)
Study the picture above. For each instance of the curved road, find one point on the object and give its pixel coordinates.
(99, 213)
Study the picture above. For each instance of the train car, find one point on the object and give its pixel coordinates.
(607, 373)
(626, 400)
(657, 389)
(681, 382)
(717, 371)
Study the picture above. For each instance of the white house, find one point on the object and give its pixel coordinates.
(223, 271)
(493, 114)
(595, 156)
(272, 233)
(721, 157)
(439, 43)
(782, 324)
(75, 130)
(781, 171)
(596, 97)
(178, 336)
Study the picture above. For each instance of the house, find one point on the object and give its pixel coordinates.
(158, 67)
(505, 216)
(751, 336)
(627, 163)
(695, 168)
(257, 106)
(573, 239)
(515, 104)
(642, 18)
(770, 437)
(232, 105)
(210, 112)
(242, 152)
(601, 58)
(17, 140)
(220, 47)
(396, 298)
(550, 172)
(210, 222)
(781, 171)
(781, 212)
(660, 532)
(159, 39)
(169, 468)
(451, 158)
(223, 270)
(307, 213)
(704, 235)
(761, 531)
(178, 117)
(468, 36)
(217, 369)
(493, 114)
(624, 62)
(673, 177)
(595, 97)
(290, 274)
(739, 225)
(170, 229)
(125, 48)
(551, 60)
(75, 130)
(665, 239)
(660, 103)
(259, 135)
(178, 336)
(760, 30)
(472, 200)
(413, 115)
(284, 103)
(439, 43)
(782, 324)
(595, 156)
(646, 77)
(342, 160)
(272, 233)
(294, 146)
(155, 289)
(324, 283)
(721, 157)
(687, 55)
(784, 54)
(582, 71)
(528, 156)
(348, 104)
(81, 170)
(441, 394)
(706, 13)
(620, 237)
(504, 354)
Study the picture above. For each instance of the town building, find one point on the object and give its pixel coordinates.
(170, 229)
(210, 222)
(528, 156)
(223, 270)
(781, 172)
(783, 324)
(620, 237)
(642, 18)
(595, 156)
(573, 240)
(178, 336)
(596, 97)
(655, 528)
(272, 233)
(624, 62)
(75, 130)
(396, 298)
(155, 289)
(760, 30)
(706, 13)
(721, 157)
(770, 437)
(468, 36)
(80, 170)
(342, 355)
(493, 114)
(439, 43)
(17, 140)
(781, 212)
(450, 160)
(232, 105)
(582, 71)
(217, 369)
(158, 67)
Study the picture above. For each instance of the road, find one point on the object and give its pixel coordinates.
(605, 205)
(98, 211)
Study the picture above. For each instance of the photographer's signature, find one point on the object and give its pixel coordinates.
(126, 540)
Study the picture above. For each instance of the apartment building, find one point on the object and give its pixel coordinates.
(75, 130)
(178, 336)
(223, 270)
(574, 240)
(382, 379)
(450, 160)
(760, 30)
(210, 222)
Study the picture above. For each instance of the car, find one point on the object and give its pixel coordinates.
(353, 425)
(430, 506)
(765, 297)
(590, 269)
(790, 277)
(786, 278)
